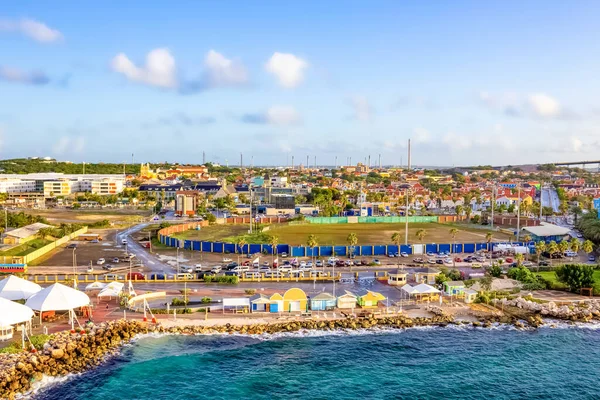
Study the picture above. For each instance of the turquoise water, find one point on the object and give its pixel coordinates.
(451, 363)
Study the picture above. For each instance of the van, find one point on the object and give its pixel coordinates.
(112, 277)
(135, 276)
(184, 276)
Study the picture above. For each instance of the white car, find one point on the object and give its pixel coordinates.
(227, 260)
(89, 270)
(391, 255)
(284, 254)
(241, 268)
(305, 267)
(216, 269)
(570, 253)
(404, 254)
(302, 263)
(285, 268)
(124, 241)
(187, 270)
(309, 264)
(198, 268)
(100, 261)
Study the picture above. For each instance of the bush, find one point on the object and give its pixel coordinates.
(205, 300)
(229, 279)
(250, 291)
(38, 341)
(575, 276)
(482, 297)
(178, 302)
(495, 271)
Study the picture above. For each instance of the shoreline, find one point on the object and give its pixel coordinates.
(70, 353)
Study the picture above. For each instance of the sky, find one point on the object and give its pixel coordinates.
(469, 82)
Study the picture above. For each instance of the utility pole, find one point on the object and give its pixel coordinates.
(406, 210)
(518, 211)
(335, 162)
(380, 161)
(203, 157)
(350, 163)
(307, 162)
(408, 166)
(84, 168)
(132, 159)
(493, 203)
(315, 164)
(292, 162)
(250, 210)
(251, 161)
(241, 161)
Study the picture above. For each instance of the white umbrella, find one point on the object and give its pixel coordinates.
(13, 313)
(118, 286)
(95, 286)
(15, 288)
(425, 289)
(57, 297)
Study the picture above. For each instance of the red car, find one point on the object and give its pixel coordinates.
(458, 259)
(135, 276)
(247, 263)
(509, 260)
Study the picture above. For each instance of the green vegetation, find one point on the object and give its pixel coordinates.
(589, 225)
(230, 279)
(329, 234)
(26, 166)
(205, 300)
(25, 248)
(576, 276)
(525, 276)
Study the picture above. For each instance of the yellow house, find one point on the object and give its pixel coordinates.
(397, 278)
(525, 199)
(276, 303)
(294, 300)
(370, 299)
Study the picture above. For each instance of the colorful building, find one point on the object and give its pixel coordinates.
(323, 302)
(347, 300)
(276, 303)
(454, 288)
(295, 299)
(397, 278)
(426, 275)
(369, 299)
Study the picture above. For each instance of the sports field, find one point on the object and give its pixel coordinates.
(330, 234)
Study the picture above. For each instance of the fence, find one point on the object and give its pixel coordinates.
(372, 220)
(26, 259)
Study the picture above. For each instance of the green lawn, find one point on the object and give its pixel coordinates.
(551, 276)
(329, 234)
(25, 248)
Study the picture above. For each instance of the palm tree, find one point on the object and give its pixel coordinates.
(576, 211)
(458, 209)
(540, 247)
(575, 245)
(563, 246)
(397, 239)
(453, 233)
(588, 246)
(527, 239)
(488, 238)
(312, 242)
(519, 259)
(273, 241)
(468, 212)
(240, 243)
(420, 234)
(552, 248)
(352, 240)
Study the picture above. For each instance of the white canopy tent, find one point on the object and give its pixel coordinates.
(109, 292)
(95, 286)
(408, 289)
(425, 289)
(118, 286)
(15, 288)
(13, 313)
(57, 297)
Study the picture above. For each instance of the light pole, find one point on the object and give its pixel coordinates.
(74, 269)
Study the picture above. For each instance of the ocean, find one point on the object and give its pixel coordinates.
(420, 363)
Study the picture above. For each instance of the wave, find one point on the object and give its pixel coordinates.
(45, 384)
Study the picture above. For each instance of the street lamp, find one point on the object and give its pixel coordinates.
(74, 269)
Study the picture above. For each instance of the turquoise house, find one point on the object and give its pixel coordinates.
(323, 302)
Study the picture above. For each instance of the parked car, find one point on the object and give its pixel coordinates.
(135, 276)
(349, 263)
(273, 274)
(116, 260)
(527, 264)
(100, 261)
(302, 263)
(404, 254)
(591, 257)
(457, 259)
(285, 268)
(439, 261)
(431, 261)
(198, 268)
(284, 254)
(216, 269)
(227, 260)
(376, 262)
(89, 270)
(509, 260)
(240, 268)
(184, 276)
(107, 267)
(247, 263)
(364, 262)
(544, 263)
(264, 268)
(72, 246)
(305, 267)
(430, 253)
(340, 263)
(570, 253)
(319, 263)
(112, 277)
(391, 255)
(123, 241)
(418, 260)
(186, 270)
(158, 277)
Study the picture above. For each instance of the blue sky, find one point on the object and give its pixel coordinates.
(470, 82)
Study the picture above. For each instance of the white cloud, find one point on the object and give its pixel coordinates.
(362, 109)
(544, 106)
(577, 145)
(421, 135)
(69, 144)
(221, 71)
(283, 115)
(16, 75)
(288, 69)
(160, 69)
(534, 105)
(35, 30)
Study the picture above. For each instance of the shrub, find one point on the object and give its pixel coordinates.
(38, 341)
(205, 300)
(230, 279)
(575, 276)
(250, 291)
(495, 271)
(178, 302)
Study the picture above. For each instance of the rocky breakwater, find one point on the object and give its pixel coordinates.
(63, 354)
(583, 312)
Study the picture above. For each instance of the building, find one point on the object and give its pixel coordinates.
(53, 184)
(276, 303)
(397, 278)
(346, 301)
(13, 185)
(186, 202)
(24, 234)
(369, 299)
(545, 232)
(284, 201)
(294, 299)
(323, 302)
(426, 275)
(279, 181)
(470, 295)
(107, 186)
(454, 288)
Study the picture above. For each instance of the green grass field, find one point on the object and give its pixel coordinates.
(25, 248)
(329, 234)
(551, 276)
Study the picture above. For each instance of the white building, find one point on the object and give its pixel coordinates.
(279, 181)
(12, 185)
(57, 184)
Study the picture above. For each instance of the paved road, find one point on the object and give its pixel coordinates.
(149, 260)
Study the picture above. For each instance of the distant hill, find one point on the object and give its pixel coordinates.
(26, 166)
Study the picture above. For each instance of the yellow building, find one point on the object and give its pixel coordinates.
(294, 300)
(58, 188)
(276, 303)
(397, 278)
(370, 299)
(24, 234)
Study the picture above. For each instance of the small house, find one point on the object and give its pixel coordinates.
(24, 234)
(323, 302)
(347, 300)
(260, 303)
(397, 278)
(470, 295)
(295, 299)
(276, 303)
(454, 288)
(369, 299)
(426, 275)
